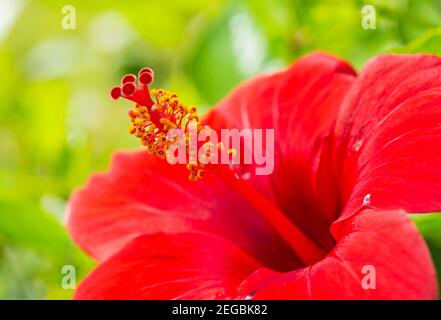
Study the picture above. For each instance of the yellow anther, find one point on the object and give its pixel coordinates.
(193, 116)
(174, 101)
(132, 129)
(172, 115)
(138, 121)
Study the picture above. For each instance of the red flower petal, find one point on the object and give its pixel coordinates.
(301, 105)
(388, 241)
(143, 194)
(388, 136)
(202, 266)
(381, 140)
(178, 266)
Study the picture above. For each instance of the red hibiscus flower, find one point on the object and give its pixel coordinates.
(353, 155)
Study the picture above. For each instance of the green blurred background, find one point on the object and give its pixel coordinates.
(58, 125)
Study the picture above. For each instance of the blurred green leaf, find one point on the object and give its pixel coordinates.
(213, 65)
(430, 227)
(24, 224)
(35, 247)
(430, 42)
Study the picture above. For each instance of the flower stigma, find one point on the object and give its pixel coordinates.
(156, 114)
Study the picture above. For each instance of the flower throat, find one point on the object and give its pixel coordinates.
(151, 121)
